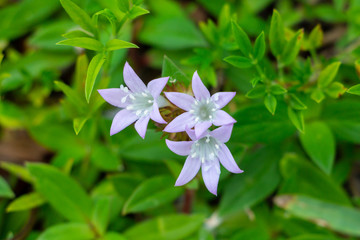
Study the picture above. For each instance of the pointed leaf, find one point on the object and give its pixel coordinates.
(238, 61)
(83, 42)
(115, 44)
(328, 74)
(242, 39)
(169, 69)
(354, 90)
(270, 103)
(316, 37)
(78, 15)
(259, 47)
(292, 48)
(257, 92)
(72, 95)
(317, 95)
(93, 70)
(297, 118)
(26, 202)
(277, 34)
(319, 144)
(152, 193)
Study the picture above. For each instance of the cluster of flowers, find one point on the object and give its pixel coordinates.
(206, 149)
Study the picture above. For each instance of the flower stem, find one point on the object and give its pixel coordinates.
(189, 198)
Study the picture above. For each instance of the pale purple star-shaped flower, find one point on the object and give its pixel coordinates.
(205, 151)
(201, 111)
(139, 103)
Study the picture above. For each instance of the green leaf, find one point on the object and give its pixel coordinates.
(242, 39)
(323, 213)
(257, 92)
(72, 95)
(115, 44)
(26, 202)
(354, 90)
(292, 48)
(68, 231)
(256, 125)
(343, 118)
(316, 37)
(78, 123)
(259, 47)
(319, 144)
(169, 69)
(303, 177)
(160, 32)
(314, 237)
(137, 11)
(18, 170)
(93, 70)
(174, 227)
(277, 89)
(297, 118)
(104, 158)
(78, 15)
(245, 190)
(277, 34)
(317, 95)
(296, 103)
(152, 193)
(5, 190)
(83, 42)
(124, 5)
(113, 236)
(238, 61)
(335, 90)
(101, 214)
(270, 103)
(328, 74)
(63, 193)
(125, 183)
(76, 34)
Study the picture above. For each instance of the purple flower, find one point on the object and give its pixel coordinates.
(205, 151)
(140, 103)
(202, 111)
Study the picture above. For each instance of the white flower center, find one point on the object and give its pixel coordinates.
(203, 110)
(140, 103)
(205, 149)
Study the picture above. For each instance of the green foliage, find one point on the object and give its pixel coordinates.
(295, 68)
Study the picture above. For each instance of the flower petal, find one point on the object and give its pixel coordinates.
(180, 122)
(191, 133)
(132, 80)
(200, 128)
(181, 148)
(157, 85)
(114, 96)
(156, 116)
(227, 160)
(222, 133)
(223, 118)
(198, 87)
(189, 171)
(181, 100)
(141, 125)
(121, 120)
(222, 98)
(211, 174)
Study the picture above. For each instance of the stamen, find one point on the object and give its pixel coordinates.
(196, 119)
(210, 117)
(150, 101)
(202, 159)
(216, 97)
(130, 107)
(207, 139)
(207, 101)
(196, 103)
(132, 96)
(191, 111)
(138, 112)
(213, 109)
(123, 99)
(216, 146)
(193, 155)
(146, 112)
(144, 94)
(212, 155)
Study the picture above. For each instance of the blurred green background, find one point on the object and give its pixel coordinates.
(64, 177)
